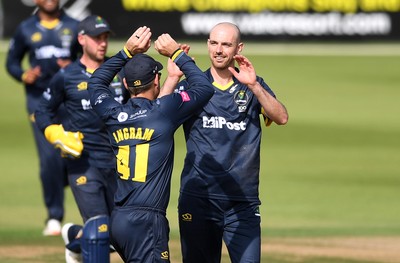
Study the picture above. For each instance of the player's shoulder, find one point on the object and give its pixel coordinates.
(262, 81)
(28, 22)
(68, 19)
(208, 74)
(71, 69)
(184, 84)
(31, 18)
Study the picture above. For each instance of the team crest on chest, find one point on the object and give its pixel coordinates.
(82, 86)
(241, 99)
(36, 37)
(66, 37)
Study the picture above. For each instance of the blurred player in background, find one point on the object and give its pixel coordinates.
(142, 136)
(219, 197)
(49, 37)
(83, 136)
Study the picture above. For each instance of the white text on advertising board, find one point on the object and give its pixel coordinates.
(292, 24)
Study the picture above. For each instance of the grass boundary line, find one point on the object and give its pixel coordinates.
(282, 49)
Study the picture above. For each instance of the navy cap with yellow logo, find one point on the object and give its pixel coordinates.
(93, 26)
(141, 70)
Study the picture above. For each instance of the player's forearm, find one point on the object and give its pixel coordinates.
(274, 109)
(102, 77)
(101, 98)
(169, 86)
(14, 69)
(43, 118)
(47, 110)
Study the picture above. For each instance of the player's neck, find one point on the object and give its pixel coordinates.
(221, 76)
(48, 16)
(148, 94)
(90, 64)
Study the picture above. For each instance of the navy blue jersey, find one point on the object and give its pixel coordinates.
(69, 88)
(44, 46)
(223, 144)
(142, 132)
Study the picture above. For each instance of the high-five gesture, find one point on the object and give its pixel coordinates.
(166, 45)
(140, 41)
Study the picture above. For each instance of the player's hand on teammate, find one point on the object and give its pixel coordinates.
(247, 73)
(70, 143)
(31, 75)
(140, 41)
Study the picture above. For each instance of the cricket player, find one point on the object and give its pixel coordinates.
(142, 136)
(49, 37)
(219, 198)
(83, 136)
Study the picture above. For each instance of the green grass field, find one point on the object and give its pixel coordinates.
(329, 179)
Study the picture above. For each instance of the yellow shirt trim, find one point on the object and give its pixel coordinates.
(49, 24)
(223, 87)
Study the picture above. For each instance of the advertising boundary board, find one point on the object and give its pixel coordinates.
(351, 20)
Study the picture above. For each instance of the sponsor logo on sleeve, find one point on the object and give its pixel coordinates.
(185, 96)
(100, 99)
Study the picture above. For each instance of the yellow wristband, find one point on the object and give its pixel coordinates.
(127, 52)
(176, 54)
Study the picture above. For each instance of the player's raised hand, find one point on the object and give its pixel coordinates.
(166, 45)
(172, 68)
(140, 41)
(247, 73)
(174, 73)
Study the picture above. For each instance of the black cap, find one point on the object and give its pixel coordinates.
(141, 70)
(93, 26)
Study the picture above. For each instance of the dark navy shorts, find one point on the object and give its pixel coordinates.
(140, 235)
(93, 188)
(204, 223)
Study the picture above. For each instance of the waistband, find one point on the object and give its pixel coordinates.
(142, 208)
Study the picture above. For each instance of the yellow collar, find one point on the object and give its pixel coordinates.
(90, 70)
(49, 24)
(223, 87)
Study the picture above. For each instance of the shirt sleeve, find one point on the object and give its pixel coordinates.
(16, 53)
(179, 106)
(51, 100)
(101, 98)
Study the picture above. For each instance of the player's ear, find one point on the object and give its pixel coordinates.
(240, 47)
(81, 39)
(125, 85)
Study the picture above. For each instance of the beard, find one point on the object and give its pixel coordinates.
(49, 10)
(221, 64)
